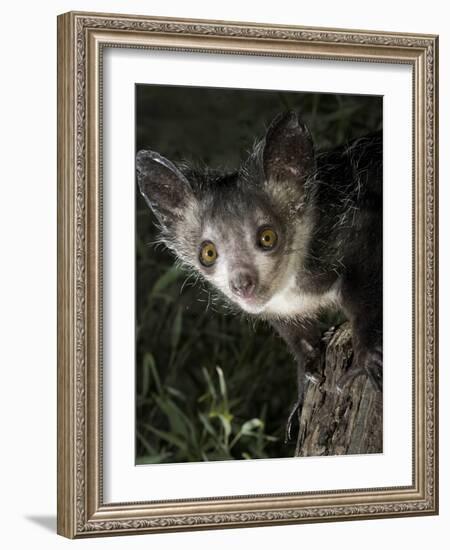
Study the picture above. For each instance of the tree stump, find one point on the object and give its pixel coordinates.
(339, 423)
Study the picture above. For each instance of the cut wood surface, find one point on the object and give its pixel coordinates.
(338, 423)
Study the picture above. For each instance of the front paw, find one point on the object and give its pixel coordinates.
(367, 362)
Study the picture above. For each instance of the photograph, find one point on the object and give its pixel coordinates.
(259, 274)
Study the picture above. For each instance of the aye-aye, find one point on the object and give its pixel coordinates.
(288, 235)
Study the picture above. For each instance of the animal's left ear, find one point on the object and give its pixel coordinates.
(288, 151)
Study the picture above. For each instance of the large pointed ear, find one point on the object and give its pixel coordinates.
(288, 153)
(165, 189)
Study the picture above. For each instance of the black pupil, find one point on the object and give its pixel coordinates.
(210, 253)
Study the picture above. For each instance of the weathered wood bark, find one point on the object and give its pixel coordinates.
(334, 423)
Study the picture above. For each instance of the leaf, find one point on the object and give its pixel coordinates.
(149, 368)
(145, 443)
(207, 424)
(179, 423)
(225, 420)
(248, 428)
(176, 393)
(176, 328)
(145, 377)
(211, 388)
(226, 424)
(222, 386)
(166, 279)
(167, 436)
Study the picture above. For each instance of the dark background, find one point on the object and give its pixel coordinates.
(209, 385)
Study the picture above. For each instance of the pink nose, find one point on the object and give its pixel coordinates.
(243, 284)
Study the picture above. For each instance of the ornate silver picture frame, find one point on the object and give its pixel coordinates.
(83, 511)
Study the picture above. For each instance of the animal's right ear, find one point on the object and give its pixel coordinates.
(288, 151)
(165, 189)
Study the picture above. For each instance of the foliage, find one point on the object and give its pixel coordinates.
(209, 431)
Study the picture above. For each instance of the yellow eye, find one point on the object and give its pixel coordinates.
(208, 254)
(267, 238)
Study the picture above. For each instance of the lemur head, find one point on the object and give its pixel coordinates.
(244, 232)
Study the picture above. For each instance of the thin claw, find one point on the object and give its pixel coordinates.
(290, 420)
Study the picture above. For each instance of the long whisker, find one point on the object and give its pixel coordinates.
(188, 278)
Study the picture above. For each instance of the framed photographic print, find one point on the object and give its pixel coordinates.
(247, 288)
